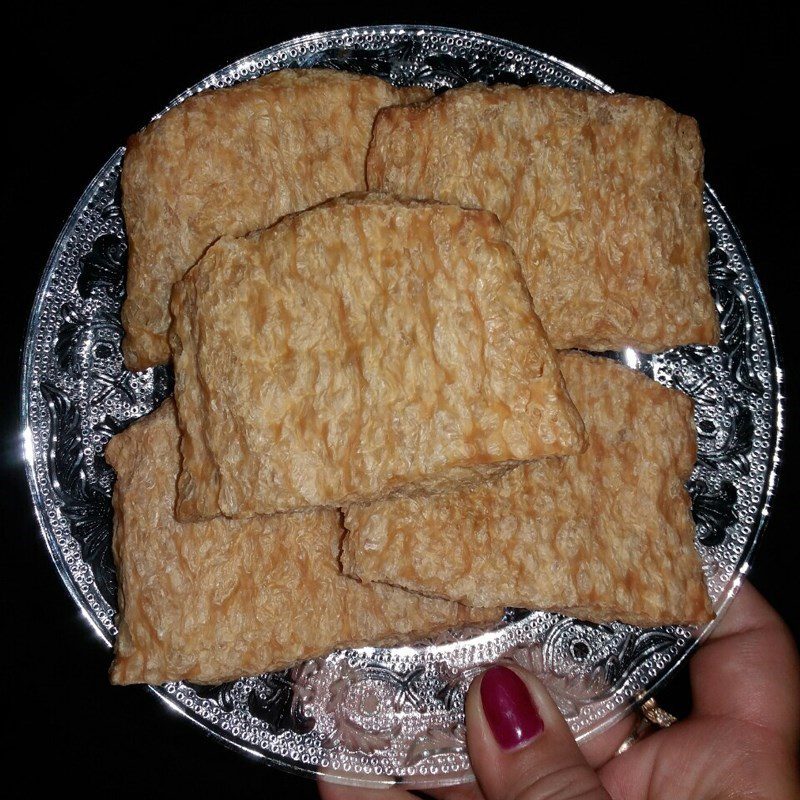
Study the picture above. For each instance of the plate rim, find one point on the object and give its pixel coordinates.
(272, 759)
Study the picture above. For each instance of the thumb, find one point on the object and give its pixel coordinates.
(519, 744)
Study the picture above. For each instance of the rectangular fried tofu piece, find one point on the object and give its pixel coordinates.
(601, 197)
(212, 601)
(361, 348)
(229, 161)
(604, 535)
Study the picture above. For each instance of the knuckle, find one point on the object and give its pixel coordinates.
(574, 782)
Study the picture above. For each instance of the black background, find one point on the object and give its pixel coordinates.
(82, 81)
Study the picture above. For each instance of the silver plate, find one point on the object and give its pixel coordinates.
(376, 716)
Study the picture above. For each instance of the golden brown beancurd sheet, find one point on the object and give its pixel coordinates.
(228, 161)
(601, 196)
(212, 601)
(604, 535)
(360, 348)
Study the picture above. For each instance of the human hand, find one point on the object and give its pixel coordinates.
(740, 739)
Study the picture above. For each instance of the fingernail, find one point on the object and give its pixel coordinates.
(509, 709)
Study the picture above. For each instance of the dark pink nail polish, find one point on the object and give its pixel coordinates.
(509, 709)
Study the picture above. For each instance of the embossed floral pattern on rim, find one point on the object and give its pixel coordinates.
(75, 395)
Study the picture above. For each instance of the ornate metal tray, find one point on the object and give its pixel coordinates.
(376, 716)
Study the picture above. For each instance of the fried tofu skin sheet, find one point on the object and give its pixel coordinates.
(212, 601)
(606, 535)
(601, 196)
(364, 347)
(229, 161)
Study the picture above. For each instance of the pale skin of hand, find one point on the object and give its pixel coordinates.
(740, 740)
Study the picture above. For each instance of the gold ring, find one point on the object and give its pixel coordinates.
(641, 728)
(658, 716)
(651, 715)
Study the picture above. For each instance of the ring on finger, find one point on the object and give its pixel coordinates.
(651, 716)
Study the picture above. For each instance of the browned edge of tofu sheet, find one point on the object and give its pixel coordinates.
(604, 535)
(365, 347)
(231, 160)
(212, 601)
(601, 197)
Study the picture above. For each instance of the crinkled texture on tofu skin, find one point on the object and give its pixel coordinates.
(364, 347)
(604, 535)
(229, 161)
(212, 601)
(600, 195)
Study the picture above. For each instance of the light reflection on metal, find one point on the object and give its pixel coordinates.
(631, 357)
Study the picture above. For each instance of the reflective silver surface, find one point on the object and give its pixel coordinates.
(381, 715)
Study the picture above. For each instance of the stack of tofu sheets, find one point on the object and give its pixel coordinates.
(377, 304)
